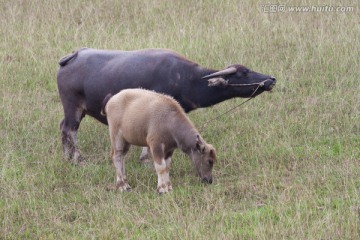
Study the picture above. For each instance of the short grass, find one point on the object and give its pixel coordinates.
(288, 162)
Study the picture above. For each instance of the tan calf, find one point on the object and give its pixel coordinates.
(145, 118)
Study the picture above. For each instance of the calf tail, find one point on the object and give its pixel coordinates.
(104, 102)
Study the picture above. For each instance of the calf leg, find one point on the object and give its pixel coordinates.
(162, 167)
(144, 156)
(69, 127)
(168, 162)
(120, 149)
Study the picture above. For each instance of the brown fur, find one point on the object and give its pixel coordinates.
(145, 118)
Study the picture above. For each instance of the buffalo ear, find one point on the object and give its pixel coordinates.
(217, 82)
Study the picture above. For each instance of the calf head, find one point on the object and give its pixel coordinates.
(242, 81)
(203, 158)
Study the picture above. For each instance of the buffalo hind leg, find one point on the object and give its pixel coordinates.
(69, 127)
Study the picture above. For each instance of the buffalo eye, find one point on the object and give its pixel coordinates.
(245, 71)
(211, 162)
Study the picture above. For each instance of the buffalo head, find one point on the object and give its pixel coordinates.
(245, 82)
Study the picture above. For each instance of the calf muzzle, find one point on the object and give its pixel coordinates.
(207, 180)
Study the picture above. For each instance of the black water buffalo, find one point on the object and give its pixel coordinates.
(86, 76)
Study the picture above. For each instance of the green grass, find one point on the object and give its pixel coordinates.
(288, 162)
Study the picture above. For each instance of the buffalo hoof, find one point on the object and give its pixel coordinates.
(77, 159)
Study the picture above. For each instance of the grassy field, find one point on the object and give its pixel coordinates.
(288, 161)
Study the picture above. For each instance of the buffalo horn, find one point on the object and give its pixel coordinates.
(224, 72)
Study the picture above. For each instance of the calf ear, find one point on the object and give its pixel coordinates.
(212, 153)
(200, 144)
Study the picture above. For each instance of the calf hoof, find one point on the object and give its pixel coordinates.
(123, 187)
(147, 162)
(165, 188)
(145, 159)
